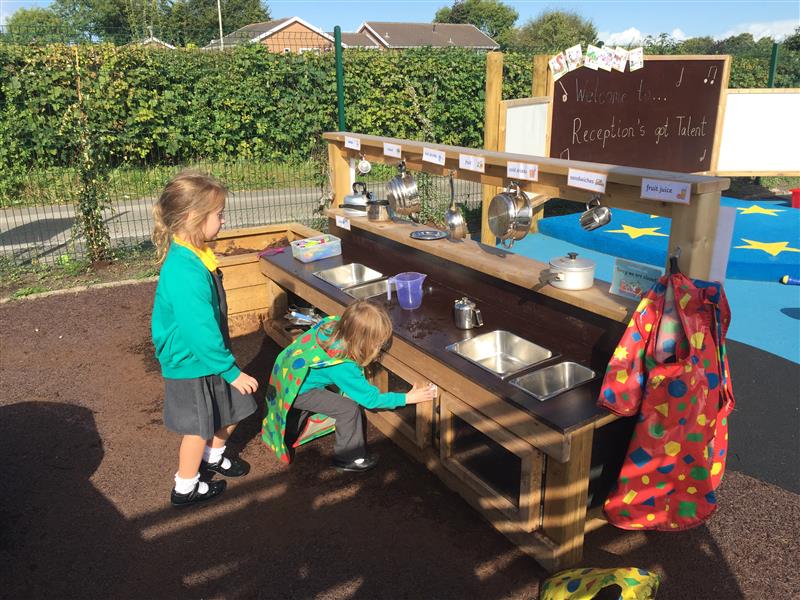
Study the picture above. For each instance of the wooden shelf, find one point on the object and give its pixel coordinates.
(516, 269)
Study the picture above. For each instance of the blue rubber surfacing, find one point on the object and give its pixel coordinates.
(765, 244)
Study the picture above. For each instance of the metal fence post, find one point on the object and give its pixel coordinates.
(773, 65)
(337, 36)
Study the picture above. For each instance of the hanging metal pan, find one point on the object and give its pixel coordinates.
(454, 218)
(402, 192)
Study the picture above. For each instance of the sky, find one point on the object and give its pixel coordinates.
(617, 21)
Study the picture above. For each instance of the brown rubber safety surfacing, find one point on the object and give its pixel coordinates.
(88, 465)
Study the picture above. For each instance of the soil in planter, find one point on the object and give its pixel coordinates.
(281, 242)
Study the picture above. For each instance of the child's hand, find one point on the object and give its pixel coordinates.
(245, 384)
(421, 393)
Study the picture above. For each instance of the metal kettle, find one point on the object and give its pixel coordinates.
(466, 315)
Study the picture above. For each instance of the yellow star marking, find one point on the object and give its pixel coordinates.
(759, 210)
(773, 248)
(637, 232)
(621, 353)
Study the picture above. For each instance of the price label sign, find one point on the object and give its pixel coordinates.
(469, 162)
(392, 150)
(343, 222)
(667, 191)
(433, 156)
(352, 143)
(587, 180)
(526, 171)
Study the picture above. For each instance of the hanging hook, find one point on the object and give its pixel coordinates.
(673, 261)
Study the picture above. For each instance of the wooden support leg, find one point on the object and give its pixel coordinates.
(565, 499)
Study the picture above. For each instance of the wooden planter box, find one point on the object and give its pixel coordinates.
(252, 297)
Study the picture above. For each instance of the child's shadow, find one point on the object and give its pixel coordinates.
(65, 538)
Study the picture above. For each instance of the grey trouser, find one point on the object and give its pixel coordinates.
(349, 443)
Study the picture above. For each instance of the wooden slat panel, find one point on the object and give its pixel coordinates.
(249, 298)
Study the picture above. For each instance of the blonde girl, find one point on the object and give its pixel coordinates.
(206, 394)
(333, 353)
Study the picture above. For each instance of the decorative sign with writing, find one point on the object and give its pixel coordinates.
(433, 156)
(587, 180)
(392, 150)
(471, 163)
(632, 279)
(663, 116)
(526, 171)
(352, 143)
(667, 191)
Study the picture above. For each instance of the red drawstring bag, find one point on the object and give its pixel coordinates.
(671, 369)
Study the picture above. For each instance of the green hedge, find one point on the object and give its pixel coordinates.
(148, 105)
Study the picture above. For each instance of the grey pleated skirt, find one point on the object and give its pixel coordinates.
(204, 405)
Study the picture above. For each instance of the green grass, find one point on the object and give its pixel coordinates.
(61, 185)
(18, 281)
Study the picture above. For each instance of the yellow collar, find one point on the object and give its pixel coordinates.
(206, 255)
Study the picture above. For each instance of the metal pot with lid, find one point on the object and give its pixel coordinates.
(402, 192)
(356, 203)
(510, 214)
(571, 273)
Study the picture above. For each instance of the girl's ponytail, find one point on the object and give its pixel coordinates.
(161, 235)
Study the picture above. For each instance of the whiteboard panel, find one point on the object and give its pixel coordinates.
(526, 129)
(760, 132)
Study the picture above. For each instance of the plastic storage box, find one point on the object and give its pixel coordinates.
(316, 248)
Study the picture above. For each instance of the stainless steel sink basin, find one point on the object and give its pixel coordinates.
(501, 352)
(553, 380)
(370, 290)
(348, 275)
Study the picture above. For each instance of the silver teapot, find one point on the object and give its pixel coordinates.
(466, 315)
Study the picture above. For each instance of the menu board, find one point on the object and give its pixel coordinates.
(662, 116)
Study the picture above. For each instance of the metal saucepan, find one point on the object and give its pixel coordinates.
(402, 192)
(510, 214)
(570, 272)
(453, 217)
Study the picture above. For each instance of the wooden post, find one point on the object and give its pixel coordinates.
(538, 90)
(565, 498)
(491, 130)
(539, 86)
(694, 230)
(340, 172)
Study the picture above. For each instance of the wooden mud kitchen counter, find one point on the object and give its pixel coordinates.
(537, 470)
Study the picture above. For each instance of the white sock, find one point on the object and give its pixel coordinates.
(213, 455)
(184, 486)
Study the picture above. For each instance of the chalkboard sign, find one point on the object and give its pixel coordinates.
(662, 116)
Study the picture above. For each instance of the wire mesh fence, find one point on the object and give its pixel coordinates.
(40, 219)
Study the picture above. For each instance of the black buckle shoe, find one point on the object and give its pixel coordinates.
(215, 488)
(358, 465)
(238, 468)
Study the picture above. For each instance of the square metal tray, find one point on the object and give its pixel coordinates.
(501, 352)
(348, 275)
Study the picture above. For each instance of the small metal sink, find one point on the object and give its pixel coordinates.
(371, 289)
(500, 352)
(348, 275)
(553, 380)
